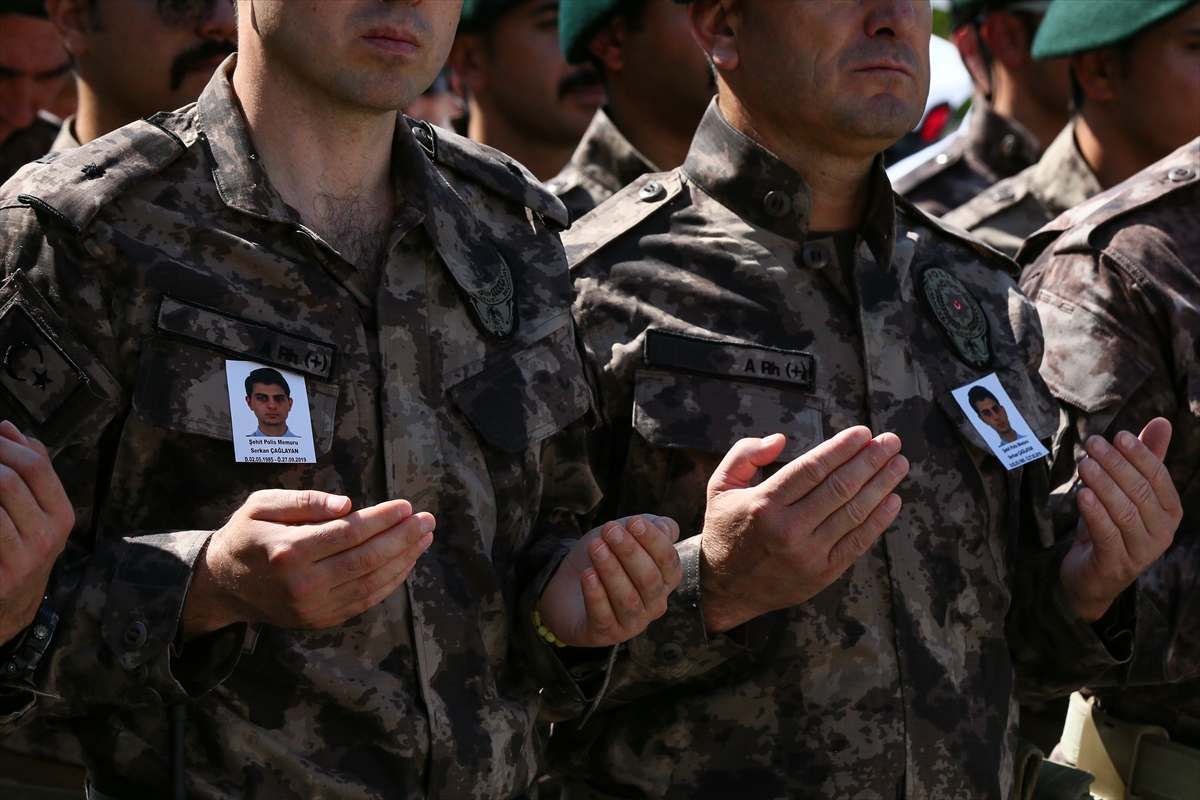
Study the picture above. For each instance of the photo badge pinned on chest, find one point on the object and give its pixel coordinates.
(999, 421)
(270, 416)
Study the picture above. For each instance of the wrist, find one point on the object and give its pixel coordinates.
(208, 606)
(1089, 606)
(722, 610)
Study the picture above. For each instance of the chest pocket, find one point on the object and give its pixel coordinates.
(525, 397)
(182, 386)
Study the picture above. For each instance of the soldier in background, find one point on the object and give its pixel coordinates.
(1116, 281)
(1135, 80)
(34, 68)
(1020, 105)
(438, 105)
(659, 83)
(133, 60)
(522, 97)
(776, 284)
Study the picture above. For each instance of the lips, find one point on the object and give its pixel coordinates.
(393, 40)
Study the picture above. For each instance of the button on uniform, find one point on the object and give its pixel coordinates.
(652, 191)
(134, 635)
(777, 203)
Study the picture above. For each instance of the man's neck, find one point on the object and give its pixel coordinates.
(1104, 146)
(543, 159)
(840, 185)
(94, 117)
(664, 143)
(327, 160)
(1012, 101)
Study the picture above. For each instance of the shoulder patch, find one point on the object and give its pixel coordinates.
(493, 169)
(1174, 173)
(991, 201)
(76, 184)
(619, 213)
(989, 254)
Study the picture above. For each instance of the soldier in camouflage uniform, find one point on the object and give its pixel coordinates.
(659, 83)
(1143, 44)
(1019, 106)
(438, 360)
(1116, 282)
(734, 298)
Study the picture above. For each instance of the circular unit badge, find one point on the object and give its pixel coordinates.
(958, 316)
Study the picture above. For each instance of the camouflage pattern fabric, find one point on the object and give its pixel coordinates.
(993, 148)
(140, 262)
(603, 164)
(1007, 213)
(1117, 283)
(27, 145)
(707, 314)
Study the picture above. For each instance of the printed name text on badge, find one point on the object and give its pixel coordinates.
(269, 410)
(997, 419)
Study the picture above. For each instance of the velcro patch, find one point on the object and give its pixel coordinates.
(37, 374)
(742, 362)
(245, 338)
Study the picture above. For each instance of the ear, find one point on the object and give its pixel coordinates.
(715, 24)
(966, 40)
(73, 21)
(1098, 73)
(608, 44)
(469, 60)
(1006, 38)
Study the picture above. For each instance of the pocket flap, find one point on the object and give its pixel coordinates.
(528, 395)
(182, 387)
(677, 410)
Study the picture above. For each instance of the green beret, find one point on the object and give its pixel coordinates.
(1071, 26)
(580, 20)
(30, 8)
(479, 15)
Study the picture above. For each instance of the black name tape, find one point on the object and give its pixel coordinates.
(729, 359)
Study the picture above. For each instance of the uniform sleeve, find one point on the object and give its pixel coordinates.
(119, 595)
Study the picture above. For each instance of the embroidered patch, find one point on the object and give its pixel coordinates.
(958, 316)
(37, 374)
(730, 359)
(495, 309)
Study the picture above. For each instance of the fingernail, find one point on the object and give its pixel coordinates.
(591, 580)
(335, 503)
(899, 465)
(427, 523)
(1099, 445)
(602, 553)
(1126, 440)
(615, 536)
(637, 527)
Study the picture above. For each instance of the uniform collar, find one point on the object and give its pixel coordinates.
(65, 140)
(608, 157)
(1004, 145)
(1063, 179)
(760, 188)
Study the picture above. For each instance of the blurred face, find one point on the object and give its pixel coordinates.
(850, 75)
(362, 53)
(528, 81)
(1156, 93)
(271, 406)
(145, 56)
(672, 71)
(33, 69)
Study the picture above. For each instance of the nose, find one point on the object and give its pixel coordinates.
(895, 18)
(220, 22)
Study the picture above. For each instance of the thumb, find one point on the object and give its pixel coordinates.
(296, 507)
(742, 462)
(1157, 436)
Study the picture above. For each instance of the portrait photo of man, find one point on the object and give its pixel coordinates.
(270, 398)
(992, 413)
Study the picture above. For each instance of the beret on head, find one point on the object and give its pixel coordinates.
(479, 15)
(580, 20)
(1072, 26)
(30, 8)
(968, 10)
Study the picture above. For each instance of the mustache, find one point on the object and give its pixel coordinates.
(202, 52)
(579, 79)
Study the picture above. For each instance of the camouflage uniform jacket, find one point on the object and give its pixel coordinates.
(26, 145)
(706, 317)
(1007, 213)
(993, 148)
(603, 164)
(136, 265)
(1117, 283)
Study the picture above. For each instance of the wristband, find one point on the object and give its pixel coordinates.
(27, 648)
(543, 631)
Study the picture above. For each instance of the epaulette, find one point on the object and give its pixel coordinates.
(1081, 223)
(491, 168)
(72, 186)
(619, 213)
(986, 251)
(992, 201)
